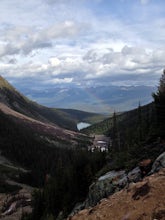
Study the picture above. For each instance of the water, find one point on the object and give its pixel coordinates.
(82, 125)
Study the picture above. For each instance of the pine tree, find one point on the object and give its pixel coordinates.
(140, 122)
(159, 98)
(115, 134)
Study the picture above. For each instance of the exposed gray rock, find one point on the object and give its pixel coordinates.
(114, 181)
(77, 208)
(106, 185)
(158, 164)
(135, 175)
(109, 183)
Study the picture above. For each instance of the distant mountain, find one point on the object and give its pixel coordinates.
(64, 118)
(100, 99)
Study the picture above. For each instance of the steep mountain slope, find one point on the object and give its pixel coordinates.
(63, 118)
(47, 130)
(124, 120)
(47, 152)
(51, 125)
(131, 133)
(14, 100)
(83, 116)
(141, 201)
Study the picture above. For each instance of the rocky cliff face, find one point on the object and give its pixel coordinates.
(114, 181)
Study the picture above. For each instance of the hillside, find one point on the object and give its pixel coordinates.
(140, 201)
(126, 119)
(60, 157)
(64, 118)
(16, 101)
(30, 140)
(137, 139)
(50, 132)
(82, 116)
(51, 125)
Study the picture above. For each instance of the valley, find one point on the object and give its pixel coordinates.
(51, 170)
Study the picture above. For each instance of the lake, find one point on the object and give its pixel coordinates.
(82, 125)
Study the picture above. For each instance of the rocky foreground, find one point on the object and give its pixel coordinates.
(12, 206)
(144, 200)
(118, 195)
(15, 197)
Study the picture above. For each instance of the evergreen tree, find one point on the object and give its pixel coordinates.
(115, 134)
(140, 129)
(159, 98)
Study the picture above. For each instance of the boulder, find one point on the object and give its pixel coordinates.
(158, 164)
(106, 185)
(135, 175)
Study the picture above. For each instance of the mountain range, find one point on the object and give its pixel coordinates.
(100, 99)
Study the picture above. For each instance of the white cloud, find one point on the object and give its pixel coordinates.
(17, 40)
(54, 61)
(59, 80)
(61, 40)
(93, 65)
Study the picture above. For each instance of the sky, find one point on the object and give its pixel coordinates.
(82, 42)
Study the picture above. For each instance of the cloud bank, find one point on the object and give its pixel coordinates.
(81, 42)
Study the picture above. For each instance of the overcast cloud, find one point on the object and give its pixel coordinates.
(82, 42)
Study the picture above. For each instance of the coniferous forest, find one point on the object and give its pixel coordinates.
(62, 174)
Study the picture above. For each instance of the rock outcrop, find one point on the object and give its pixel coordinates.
(140, 201)
(108, 184)
(158, 164)
(13, 205)
(114, 181)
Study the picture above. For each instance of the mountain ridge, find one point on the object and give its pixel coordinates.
(49, 125)
(99, 99)
(18, 102)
